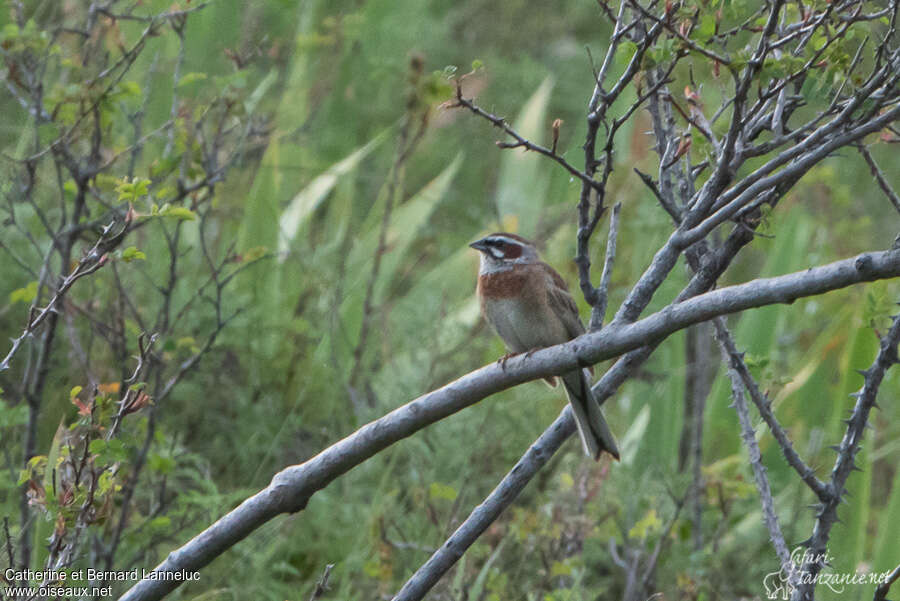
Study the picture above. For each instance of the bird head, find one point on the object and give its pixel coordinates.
(502, 250)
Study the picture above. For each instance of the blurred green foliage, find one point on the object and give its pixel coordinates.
(332, 80)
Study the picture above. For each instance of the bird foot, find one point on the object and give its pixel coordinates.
(502, 360)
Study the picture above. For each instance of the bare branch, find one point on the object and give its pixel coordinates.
(520, 141)
(93, 260)
(292, 488)
(748, 435)
(599, 310)
(827, 516)
(764, 406)
(883, 589)
(879, 176)
(503, 495)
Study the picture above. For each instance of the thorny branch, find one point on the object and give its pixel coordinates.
(748, 436)
(826, 515)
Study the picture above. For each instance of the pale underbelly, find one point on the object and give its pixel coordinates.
(524, 327)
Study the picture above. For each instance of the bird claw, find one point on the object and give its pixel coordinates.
(502, 360)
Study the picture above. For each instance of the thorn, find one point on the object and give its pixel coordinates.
(863, 372)
(805, 543)
(836, 448)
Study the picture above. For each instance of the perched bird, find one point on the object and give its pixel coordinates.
(529, 306)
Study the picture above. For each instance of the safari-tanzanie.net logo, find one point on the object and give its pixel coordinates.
(781, 584)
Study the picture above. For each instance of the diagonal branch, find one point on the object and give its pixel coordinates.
(845, 462)
(520, 141)
(879, 176)
(490, 509)
(764, 405)
(93, 260)
(291, 489)
(748, 435)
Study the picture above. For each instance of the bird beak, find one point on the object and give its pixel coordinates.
(479, 245)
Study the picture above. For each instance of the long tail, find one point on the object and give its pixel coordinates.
(592, 427)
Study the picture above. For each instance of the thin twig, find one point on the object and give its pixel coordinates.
(322, 584)
(599, 310)
(879, 176)
(486, 513)
(520, 141)
(761, 479)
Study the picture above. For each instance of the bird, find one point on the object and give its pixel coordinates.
(529, 306)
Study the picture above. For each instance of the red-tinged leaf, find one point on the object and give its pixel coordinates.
(683, 147)
(684, 28)
(67, 496)
(35, 493)
(84, 409)
(668, 6)
(691, 94)
(141, 401)
(555, 131)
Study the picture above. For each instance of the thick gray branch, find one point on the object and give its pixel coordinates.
(291, 488)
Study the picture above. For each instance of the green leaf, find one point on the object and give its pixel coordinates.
(132, 254)
(707, 27)
(180, 213)
(24, 295)
(560, 569)
(190, 78)
(133, 190)
(74, 392)
(97, 446)
(160, 464)
(647, 525)
(438, 490)
(160, 523)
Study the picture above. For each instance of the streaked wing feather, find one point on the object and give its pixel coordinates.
(562, 303)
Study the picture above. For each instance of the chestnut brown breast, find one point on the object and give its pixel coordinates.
(501, 284)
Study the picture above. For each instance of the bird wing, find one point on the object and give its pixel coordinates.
(562, 303)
